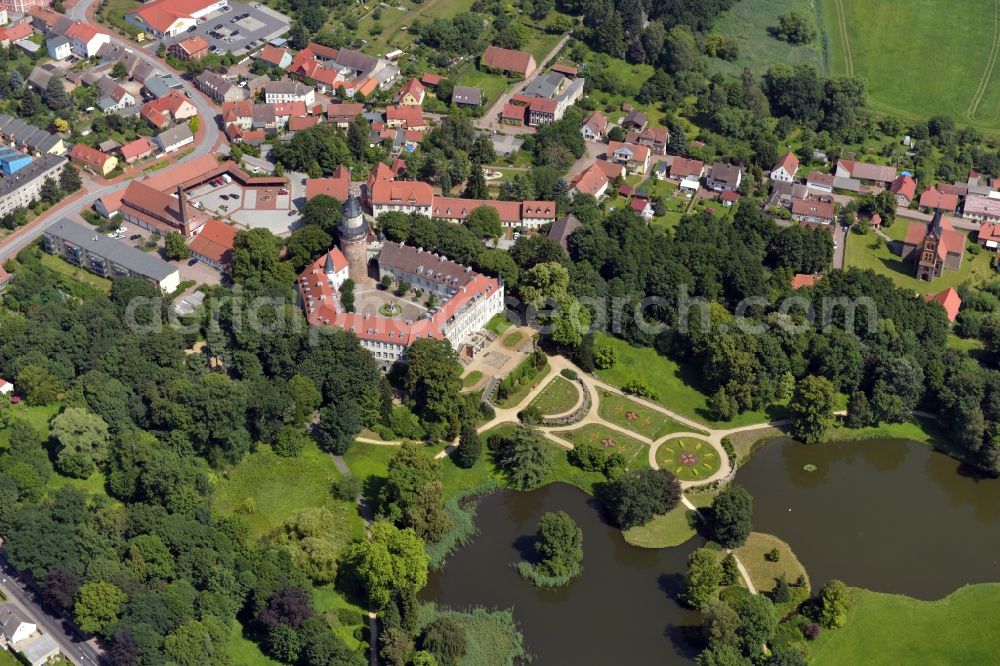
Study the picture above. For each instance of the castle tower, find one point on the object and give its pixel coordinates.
(353, 232)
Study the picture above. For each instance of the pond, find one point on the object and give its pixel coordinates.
(887, 515)
(621, 605)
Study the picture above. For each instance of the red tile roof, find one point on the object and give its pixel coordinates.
(15, 32)
(683, 167)
(804, 280)
(934, 198)
(299, 123)
(402, 193)
(949, 300)
(591, 180)
(414, 87)
(904, 186)
(729, 196)
(820, 209)
(521, 62)
(337, 186)
(193, 45)
(789, 161)
(215, 242)
(430, 79)
(565, 69)
(411, 116)
(512, 112)
(272, 55)
(136, 149)
(92, 157)
(639, 153)
(161, 14)
(344, 111)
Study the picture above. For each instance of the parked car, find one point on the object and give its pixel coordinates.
(282, 191)
(217, 27)
(192, 261)
(135, 237)
(192, 28)
(121, 230)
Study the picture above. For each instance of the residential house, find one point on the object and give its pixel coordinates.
(407, 117)
(337, 186)
(17, 631)
(431, 80)
(548, 96)
(86, 40)
(785, 169)
(905, 188)
(174, 138)
(404, 196)
(656, 138)
(285, 111)
(160, 85)
(512, 114)
(137, 150)
(342, 115)
(239, 113)
(813, 212)
(643, 207)
(821, 182)
(107, 257)
(286, 90)
(411, 94)
(93, 159)
(169, 18)
(466, 96)
(214, 245)
(596, 178)
(594, 127)
(562, 228)
(15, 32)
(982, 209)
(729, 198)
(520, 63)
(192, 48)
(635, 120)
(6, 388)
(275, 56)
(937, 199)
(219, 88)
(725, 177)
(933, 247)
(58, 47)
(634, 158)
(353, 71)
(687, 172)
(174, 107)
(949, 300)
(513, 214)
(867, 174)
(989, 236)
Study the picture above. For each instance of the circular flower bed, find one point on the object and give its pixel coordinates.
(390, 309)
(688, 459)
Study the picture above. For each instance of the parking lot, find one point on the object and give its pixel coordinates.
(240, 29)
(268, 207)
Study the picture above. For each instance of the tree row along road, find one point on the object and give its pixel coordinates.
(208, 135)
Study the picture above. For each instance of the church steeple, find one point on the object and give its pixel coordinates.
(328, 266)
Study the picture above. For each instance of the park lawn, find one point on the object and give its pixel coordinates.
(649, 422)
(881, 259)
(243, 651)
(280, 487)
(498, 324)
(521, 392)
(327, 599)
(513, 339)
(917, 429)
(38, 417)
(636, 453)
(670, 381)
(670, 456)
(901, 49)
(76, 273)
(558, 397)
(913, 631)
(471, 379)
(664, 531)
(764, 573)
(747, 23)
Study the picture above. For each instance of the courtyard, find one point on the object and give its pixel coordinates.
(251, 207)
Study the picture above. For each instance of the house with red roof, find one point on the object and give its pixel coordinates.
(813, 212)
(411, 94)
(989, 236)
(509, 61)
(933, 247)
(337, 186)
(192, 48)
(93, 159)
(905, 188)
(342, 115)
(512, 114)
(6, 388)
(949, 300)
(406, 116)
(86, 40)
(275, 56)
(214, 245)
(643, 207)
(784, 170)
(15, 32)
(804, 280)
(635, 158)
(593, 181)
(687, 172)
(729, 198)
(654, 138)
(174, 107)
(169, 18)
(137, 150)
(5, 277)
(937, 199)
(594, 127)
(430, 79)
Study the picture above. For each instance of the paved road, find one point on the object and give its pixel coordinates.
(840, 237)
(208, 136)
(489, 119)
(66, 636)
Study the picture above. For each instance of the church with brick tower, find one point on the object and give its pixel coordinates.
(933, 247)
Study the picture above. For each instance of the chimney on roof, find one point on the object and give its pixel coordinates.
(181, 205)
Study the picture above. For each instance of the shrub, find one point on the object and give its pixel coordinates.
(445, 639)
(727, 446)
(487, 411)
(782, 592)
(605, 357)
(470, 447)
(530, 415)
(289, 441)
(586, 456)
(639, 387)
(813, 631)
(772, 555)
(568, 373)
(730, 570)
(347, 488)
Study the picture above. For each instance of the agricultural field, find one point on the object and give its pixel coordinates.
(747, 23)
(901, 49)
